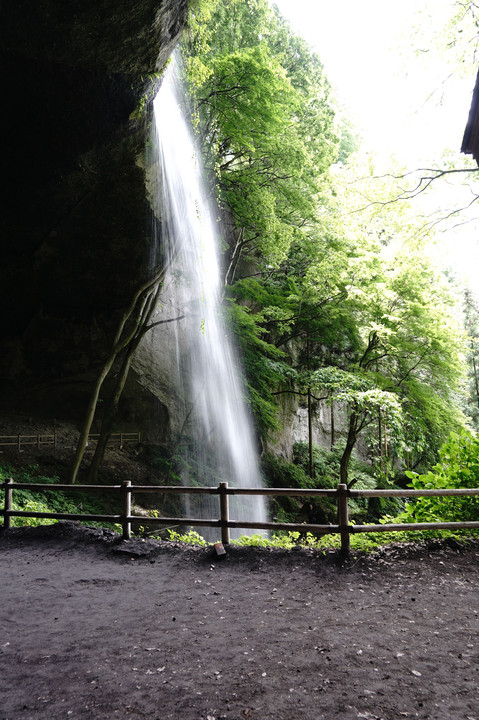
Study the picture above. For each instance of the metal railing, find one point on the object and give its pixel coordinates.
(224, 522)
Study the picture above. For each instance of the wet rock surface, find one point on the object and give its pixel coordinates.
(75, 216)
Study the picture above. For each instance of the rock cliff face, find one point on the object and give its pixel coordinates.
(75, 229)
(293, 425)
(75, 215)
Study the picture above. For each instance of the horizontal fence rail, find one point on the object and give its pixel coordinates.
(224, 522)
(52, 440)
(18, 441)
(118, 438)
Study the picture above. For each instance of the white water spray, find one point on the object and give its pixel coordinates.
(216, 442)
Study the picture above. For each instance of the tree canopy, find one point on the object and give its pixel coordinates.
(332, 298)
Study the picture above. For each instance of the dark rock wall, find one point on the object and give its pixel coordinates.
(75, 228)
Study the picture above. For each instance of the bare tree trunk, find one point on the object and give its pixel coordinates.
(111, 408)
(120, 342)
(87, 423)
(380, 440)
(350, 444)
(310, 434)
(476, 381)
(310, 415)
(235, 258)
(110, 413)
(333, 439)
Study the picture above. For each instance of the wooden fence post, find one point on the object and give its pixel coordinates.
(7, 521)
(224, 513)
(126, 511)
(343, 517)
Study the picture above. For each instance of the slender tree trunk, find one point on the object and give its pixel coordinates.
(476, 381)
(310, 416)
(380, 440)
(386, 452)
(121, 340)
(310, 435)
(350, 444)
(333, 439)
(111, 408)
(90, 414)
(235, 256)
(110, 413)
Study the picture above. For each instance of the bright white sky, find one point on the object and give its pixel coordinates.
(405, 103)
(368, 49)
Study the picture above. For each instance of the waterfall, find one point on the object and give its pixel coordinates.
(216, 441)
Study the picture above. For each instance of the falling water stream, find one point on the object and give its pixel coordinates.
(217, 442)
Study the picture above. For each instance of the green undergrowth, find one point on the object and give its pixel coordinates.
(360, 542)
(54, 501)
(459, 467)
(279, 472)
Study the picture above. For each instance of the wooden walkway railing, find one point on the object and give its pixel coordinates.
(224, 523)
(17, 441)
(52, 440)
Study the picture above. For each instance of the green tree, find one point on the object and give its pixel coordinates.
(266, 124)
(325, 274)
(364, 399)
(471, 324)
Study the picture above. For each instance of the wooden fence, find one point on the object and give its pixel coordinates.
(224, 523)
(17, 441)
(51, 440)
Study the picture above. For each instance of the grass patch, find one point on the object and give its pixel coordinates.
(360, 542)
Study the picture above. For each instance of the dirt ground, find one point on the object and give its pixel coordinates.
(95, 627)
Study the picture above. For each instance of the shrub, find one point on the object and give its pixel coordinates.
(458, 467)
